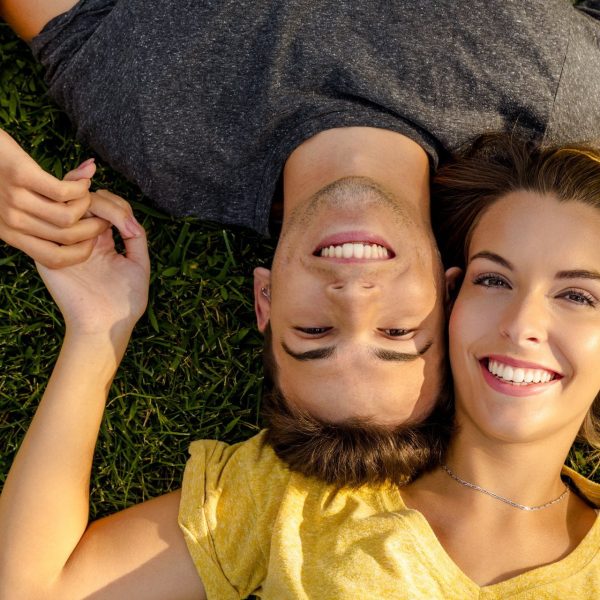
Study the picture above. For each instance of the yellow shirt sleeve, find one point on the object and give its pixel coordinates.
(227, 513)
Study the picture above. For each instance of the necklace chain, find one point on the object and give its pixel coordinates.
(478, 488)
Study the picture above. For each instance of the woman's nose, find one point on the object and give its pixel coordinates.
(525, 320)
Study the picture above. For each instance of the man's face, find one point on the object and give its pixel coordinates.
(357, 335)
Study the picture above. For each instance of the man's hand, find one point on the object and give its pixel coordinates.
(108, 292)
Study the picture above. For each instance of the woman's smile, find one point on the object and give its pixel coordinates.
(515, 378)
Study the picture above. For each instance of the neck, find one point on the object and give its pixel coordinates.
(526, 472)
(392, 160)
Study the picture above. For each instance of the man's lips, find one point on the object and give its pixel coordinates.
(354, 245)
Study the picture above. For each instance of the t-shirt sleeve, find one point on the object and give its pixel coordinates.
(230, 500)
(65, 34)
(586, 487)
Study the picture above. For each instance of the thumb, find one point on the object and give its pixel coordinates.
(136, 249)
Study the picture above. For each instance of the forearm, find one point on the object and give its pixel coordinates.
(44, 504)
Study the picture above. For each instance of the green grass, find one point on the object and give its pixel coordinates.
(193, 367)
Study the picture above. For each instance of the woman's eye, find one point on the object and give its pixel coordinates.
(579, 297)
(313, 330)
(492, 280)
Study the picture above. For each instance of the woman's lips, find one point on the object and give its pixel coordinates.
(517, 378)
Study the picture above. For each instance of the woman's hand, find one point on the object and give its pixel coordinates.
(41, 215)
(108, 292)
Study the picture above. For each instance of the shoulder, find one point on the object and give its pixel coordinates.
(220, 477)
(575, 115)
(248, 458)
(230, 500)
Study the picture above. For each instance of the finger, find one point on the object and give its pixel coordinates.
(24, 172)
(36, 179)
(60, 214)
(49, 254)
(117, 211)
(136, 249)
(86, 170)
(84, 229)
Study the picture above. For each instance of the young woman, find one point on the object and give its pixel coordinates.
(500, 518)
(523, 225)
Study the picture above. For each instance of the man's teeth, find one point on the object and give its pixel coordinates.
(356, 250)
(517, 374)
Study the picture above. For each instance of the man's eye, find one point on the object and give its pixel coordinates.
(397, 333)
(313, 330)
(492, 280)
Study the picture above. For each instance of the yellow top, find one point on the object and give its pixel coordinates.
(252, 526)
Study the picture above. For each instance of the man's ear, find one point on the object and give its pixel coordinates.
(262, 297)
(454, 277)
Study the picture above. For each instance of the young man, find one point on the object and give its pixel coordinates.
(211, 106)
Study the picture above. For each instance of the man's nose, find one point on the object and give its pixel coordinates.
(353, 294)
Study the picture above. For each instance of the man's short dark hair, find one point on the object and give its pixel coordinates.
(356, 451)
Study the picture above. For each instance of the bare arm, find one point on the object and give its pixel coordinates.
(28, 17)
(47, 550)
(107, 565)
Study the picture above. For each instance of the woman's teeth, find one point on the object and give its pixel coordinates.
(356, 250)
(518, 375)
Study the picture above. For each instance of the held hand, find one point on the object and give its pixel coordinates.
(41, 215)
(106, 293)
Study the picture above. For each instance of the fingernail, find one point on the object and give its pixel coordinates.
(89, 161)
(133, 227)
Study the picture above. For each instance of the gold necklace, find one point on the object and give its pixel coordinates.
(478, 488)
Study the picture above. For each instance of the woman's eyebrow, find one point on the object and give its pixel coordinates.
(568, 274)
(493, 257)
(578, 274)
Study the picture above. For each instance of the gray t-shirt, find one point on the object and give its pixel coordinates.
(201, 102)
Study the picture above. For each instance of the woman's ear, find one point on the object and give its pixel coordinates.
(262, 297)
(454, 277)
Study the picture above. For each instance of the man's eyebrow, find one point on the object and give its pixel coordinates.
(316, 354)
(578, 274)
(392, 355)
(380, 353)
(493, 257)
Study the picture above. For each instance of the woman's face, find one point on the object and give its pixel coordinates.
(525, 328)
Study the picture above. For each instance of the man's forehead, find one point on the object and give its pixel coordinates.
(359, 365)
(407, 391)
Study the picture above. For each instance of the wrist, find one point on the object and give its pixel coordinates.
(103, 345)
(99, 332)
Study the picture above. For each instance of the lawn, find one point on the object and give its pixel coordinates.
(193, 367)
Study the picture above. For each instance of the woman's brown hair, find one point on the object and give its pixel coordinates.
(492, 167)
